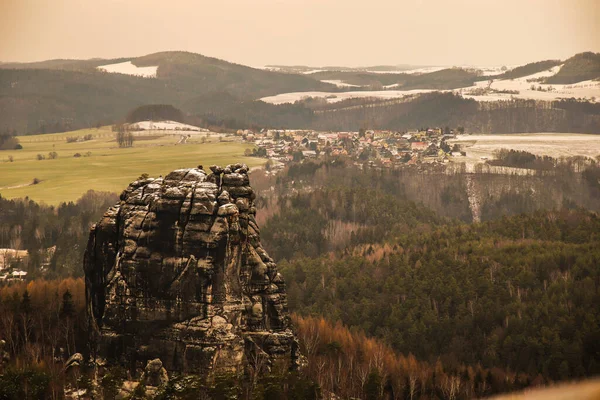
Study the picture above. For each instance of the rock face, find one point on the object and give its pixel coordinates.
(176, 271)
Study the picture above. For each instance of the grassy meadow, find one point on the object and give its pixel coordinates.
(107, 167)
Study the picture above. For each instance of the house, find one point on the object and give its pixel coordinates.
(18, 275)
(8, 256)
(419, 145)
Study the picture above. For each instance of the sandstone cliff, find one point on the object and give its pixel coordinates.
(176, 271)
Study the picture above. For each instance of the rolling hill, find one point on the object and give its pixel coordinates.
(580, 67)
(529, 69)
(59, 95)
(62, 95)
(449, 78)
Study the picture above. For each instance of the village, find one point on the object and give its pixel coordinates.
(374, 148)
(13, 262)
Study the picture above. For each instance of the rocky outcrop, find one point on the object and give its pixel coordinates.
(155, 374)
(176, 271)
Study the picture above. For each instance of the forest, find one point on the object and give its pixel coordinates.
(45, 320)
(518, 292)
(27, 225)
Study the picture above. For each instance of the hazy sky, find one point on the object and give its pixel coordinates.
(309, 32)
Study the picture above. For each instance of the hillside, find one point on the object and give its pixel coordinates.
(449, 78)
(529, 69)
(61, 64)
(60, 95)
(505, 293)
(580, 67)
(192, 72)
(440, 109)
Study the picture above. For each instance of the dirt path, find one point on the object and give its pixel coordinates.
(183, 139)
(16, 186)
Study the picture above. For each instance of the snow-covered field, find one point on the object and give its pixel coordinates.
(339, 83)
(550, 144)
(339, 96)
(424, 70)
(128, 68)
(585, 390)
(527, 88)
(165, 126)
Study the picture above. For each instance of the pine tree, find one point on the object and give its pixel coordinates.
(67, 309)
(26, 303)
(373, 386)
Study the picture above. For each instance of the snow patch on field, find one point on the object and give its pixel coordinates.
(340, 96)
(314, 71)
(165, 126)
(339, 83)
(127, 68)
(550, 144)
(415, 71)
(529, 87)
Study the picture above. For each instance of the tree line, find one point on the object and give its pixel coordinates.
(43, 323)
(27, 225)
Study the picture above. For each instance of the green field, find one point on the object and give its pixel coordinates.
(108, 168)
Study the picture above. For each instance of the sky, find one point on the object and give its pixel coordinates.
(303, 32)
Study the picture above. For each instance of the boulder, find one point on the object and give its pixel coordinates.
(75, 361)
(155, 374)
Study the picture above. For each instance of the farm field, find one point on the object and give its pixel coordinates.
(586, 390)
(103, 166)
(543, 144)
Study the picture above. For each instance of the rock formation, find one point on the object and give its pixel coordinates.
(176, 271)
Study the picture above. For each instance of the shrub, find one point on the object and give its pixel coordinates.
(25, 383)
(89, 136)
(40, 157)
(72, 139)
(35, 181)
(111, 382)
(52, 155)
(10, 159)
(18, 146)
(77, 155)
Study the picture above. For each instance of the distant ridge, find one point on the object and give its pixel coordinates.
(58, 95)
(62, 94)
